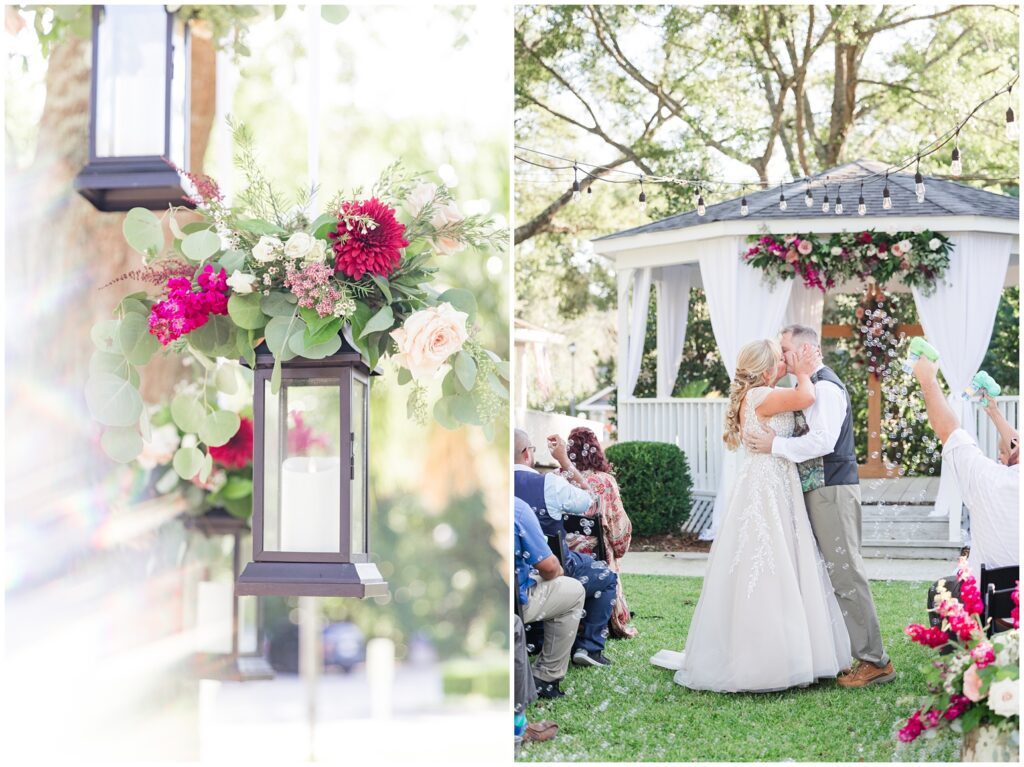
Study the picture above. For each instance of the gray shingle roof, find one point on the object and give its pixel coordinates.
(942, 198)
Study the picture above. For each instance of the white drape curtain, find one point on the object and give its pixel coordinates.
(806, 306)
(743, 307)
(957, 320)
(672, 284)
(629, 372)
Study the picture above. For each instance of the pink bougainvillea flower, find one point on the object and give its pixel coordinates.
(184, 310)
(983, 654)
(374, 249)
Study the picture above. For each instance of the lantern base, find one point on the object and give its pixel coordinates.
(120, 184)
(231, 668)
(311, 579)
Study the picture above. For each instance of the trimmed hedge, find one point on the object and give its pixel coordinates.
(655, 483)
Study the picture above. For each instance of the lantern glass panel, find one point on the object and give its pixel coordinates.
(358, 508)
(306, 462)
(131, 81)
(180, 80)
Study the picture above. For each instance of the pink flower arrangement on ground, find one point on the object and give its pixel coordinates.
(184, 309)
(368, 239)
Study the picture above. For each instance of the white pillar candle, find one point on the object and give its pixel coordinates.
(311, 504)
(214, 616)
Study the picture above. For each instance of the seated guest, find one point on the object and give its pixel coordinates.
(990, 489)
(586, 455)
(554, 599)
(526, 689)
(550, 496)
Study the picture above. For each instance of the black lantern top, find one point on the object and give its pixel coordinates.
(139, 109)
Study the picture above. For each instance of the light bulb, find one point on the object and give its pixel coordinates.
(1011, 125)
(590, 189)
(839, 204)
(956, 167)
(809, 199)
(782, 202)
(919, 186)
(886, 199)
(862, 207)
(824, 204)
(744, 209)
(576, 191)
(701, 207)
(642, 201)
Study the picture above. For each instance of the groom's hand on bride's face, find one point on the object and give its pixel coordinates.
(760, 443)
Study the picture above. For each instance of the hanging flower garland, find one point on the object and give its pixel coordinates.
(918, 258)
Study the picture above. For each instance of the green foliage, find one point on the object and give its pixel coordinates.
(1002, 360)
(655, 482)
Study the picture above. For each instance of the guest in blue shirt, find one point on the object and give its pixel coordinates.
(547, 595)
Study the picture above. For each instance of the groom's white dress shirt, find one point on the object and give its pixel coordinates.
(824, 422)
(560, 496)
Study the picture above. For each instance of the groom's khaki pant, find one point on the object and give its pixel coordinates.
(559, 603)
(836, 519)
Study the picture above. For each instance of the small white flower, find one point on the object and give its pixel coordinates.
(159, 450)
(906, 246)
(934, 243)
(242, 283)
(267, 249)
(837, 251)
(1002, 697)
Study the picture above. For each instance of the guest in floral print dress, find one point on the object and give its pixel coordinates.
(586, 455)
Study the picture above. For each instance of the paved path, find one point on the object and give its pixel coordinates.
(693, 563)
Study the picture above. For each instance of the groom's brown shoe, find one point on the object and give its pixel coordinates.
(864, 674)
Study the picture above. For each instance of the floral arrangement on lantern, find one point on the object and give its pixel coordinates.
(978, 682)
(263, 272)
(918, 258)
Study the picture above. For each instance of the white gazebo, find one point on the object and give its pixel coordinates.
(686, 250)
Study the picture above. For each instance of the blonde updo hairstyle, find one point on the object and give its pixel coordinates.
(755, 360)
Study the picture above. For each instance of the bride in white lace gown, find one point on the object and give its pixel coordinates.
(767, 618)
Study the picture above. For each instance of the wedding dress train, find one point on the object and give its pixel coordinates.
(767, 618)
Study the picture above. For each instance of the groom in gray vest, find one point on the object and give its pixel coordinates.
(827, 463)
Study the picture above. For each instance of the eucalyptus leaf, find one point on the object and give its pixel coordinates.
(465, 368)
(404, 376)
(497, 386)
(443, 414)
(112, 400)
(503, 369)
(188, 413)
(219, 427)
(216, 338)
(142, 230)
(324, 223)
(245, 347)
(200, 245)
(207, 469)
(463, 408)
(333, 14)
(188, 461)
(382, 320)
(226, 378)
(279, 331)
(104, 335)
(236, 488)
(462, 300)
(175, 229)
(316, 351)
(278, 304)
(111, 362)
(322, 332)
(123, 444)
(275, 376)
(131, 304)
(137, 344)
(231, 261)
(359, 318)
(245, 311)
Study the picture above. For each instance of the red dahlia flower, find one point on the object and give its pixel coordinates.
(375, 248)
(236, 453)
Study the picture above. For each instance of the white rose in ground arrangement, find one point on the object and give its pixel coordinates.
(1002, 697)
(241, 283)
(428, 338)
(420, 197)
(267, 249)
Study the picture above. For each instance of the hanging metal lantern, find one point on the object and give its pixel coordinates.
(139, 108)
(310, 472)
(227, 626)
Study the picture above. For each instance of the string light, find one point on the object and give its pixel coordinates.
(808, 197)
(701, 207)
(862, 207)
(824, 202)
(1011, 123)
(641, 201)
(919, 181)
(886, 199)
(575, 183)
(956, 167)
(839, 200)
(744, 208)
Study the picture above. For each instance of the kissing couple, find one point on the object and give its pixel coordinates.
(785, 600)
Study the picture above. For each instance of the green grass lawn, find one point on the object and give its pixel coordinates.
(634, 712)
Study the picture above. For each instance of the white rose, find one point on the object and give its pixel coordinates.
(837, 251)
(298, 245)
(934, 243)
(1002, 697)
(444, 216)
(266, 249)
(241, 283)
(428, 338)
(906, 246)
(317, 252)
(160, 448)
(420, 197)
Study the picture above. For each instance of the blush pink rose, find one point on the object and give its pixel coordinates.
(444, 216)
(428, 338)
(805, 247)
(972, 684)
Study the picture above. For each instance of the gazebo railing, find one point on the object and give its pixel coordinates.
(695, 426)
